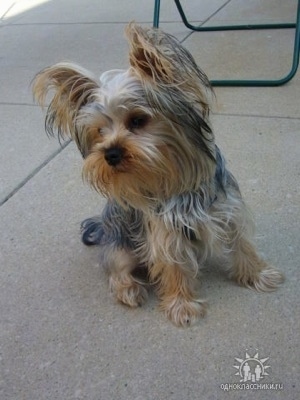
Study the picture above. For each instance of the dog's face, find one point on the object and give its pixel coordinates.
(143, 132)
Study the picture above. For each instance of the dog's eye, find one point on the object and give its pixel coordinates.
(137, 122)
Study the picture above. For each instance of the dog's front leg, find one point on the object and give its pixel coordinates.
(176, 287)
(120, 263)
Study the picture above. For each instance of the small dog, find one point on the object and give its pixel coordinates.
(148, 147)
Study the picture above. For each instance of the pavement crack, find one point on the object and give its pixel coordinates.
(34, 172)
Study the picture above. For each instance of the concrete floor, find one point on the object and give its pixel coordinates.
(61, 335)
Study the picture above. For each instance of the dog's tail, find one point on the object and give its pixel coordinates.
(92, 231)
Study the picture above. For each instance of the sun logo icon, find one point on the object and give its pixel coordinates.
(251, 368)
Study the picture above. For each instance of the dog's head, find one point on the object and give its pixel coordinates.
(143, 132)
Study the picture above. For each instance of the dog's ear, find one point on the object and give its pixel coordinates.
(146, 54)
(160, 59)
(71, 87)
(160, 56)
(173, 83)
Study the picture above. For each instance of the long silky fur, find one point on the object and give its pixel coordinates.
(172, 204)
(186, 229)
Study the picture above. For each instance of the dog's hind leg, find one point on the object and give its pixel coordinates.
(248, 269)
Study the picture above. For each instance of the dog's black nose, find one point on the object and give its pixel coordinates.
(113, 155)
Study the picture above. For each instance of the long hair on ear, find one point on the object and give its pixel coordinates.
(72, 87)
(175, 86)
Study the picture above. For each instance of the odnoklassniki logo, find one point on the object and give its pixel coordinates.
(251, 371)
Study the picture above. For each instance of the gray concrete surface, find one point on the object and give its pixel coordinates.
(61, 335)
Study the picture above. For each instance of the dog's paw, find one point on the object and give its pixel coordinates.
(267, 280)
(130, 293)
(184, 312)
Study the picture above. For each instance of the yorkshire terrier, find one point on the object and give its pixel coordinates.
(148, 147)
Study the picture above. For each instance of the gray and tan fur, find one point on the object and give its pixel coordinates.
(148, 146)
